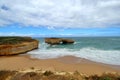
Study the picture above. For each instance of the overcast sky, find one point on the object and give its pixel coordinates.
(60, 17)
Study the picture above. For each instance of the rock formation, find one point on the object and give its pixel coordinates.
(17, 45)
(54, 41)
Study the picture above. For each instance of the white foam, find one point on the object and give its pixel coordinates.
(104, 56)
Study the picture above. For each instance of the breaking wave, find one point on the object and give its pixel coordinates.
(90, 53)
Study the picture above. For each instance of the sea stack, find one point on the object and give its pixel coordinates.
(57, 41)
(17, 45)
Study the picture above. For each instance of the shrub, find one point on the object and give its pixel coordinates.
(14, 40)
(104, 76)
(27, 76)
(5, 74)
(47, 73)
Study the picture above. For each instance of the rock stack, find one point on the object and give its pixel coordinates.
(55, 41)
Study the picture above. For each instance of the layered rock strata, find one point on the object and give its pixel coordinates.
(17, 45)
(54, 41)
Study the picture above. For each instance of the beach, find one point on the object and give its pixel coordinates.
(66, 63)
(60, 40)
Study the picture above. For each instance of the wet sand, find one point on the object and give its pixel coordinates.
(67, 63)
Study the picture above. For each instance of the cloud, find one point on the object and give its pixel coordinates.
(60, 13)
(16, 34)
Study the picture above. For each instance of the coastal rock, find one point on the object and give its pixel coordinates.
(17, 45)
(54, 41)
(67, 41)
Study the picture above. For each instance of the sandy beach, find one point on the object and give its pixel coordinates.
(67, 63)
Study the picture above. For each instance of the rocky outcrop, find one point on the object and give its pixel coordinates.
(54, 41)
(18, 48)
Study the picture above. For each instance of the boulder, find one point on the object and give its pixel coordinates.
(17, 45)
(54, 41)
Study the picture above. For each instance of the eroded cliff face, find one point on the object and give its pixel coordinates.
(13, 49)
(54, 41)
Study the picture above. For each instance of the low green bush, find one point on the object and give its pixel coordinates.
(14, 40)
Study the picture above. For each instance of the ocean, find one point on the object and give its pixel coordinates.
(99, 49)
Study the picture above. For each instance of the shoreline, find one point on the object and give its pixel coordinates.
(78, 60)
(66, 63)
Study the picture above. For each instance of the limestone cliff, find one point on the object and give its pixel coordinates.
(54, 41)
(12, 46)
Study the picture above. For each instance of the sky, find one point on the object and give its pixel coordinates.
(59, 18)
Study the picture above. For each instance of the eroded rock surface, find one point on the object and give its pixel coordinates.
(17, 45)
(54, 41)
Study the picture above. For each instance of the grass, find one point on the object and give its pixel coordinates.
(14, 40)
(108, 76)
(26, 76)
(49, 75)
(4, 75)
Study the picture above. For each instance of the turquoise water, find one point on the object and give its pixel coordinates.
(100, 49)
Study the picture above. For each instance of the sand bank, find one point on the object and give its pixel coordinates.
(67, 63)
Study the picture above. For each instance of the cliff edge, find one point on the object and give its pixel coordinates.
(17, 45)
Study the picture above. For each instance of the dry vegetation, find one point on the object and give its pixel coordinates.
(48, 75)
(108, 76)
(14, 40)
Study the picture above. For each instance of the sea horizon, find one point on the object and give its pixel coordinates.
(99, 49)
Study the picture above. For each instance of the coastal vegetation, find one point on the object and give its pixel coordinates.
(17, 45)
(14, 40)
(49, 75)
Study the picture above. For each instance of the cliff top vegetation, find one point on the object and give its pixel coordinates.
(14, 40)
